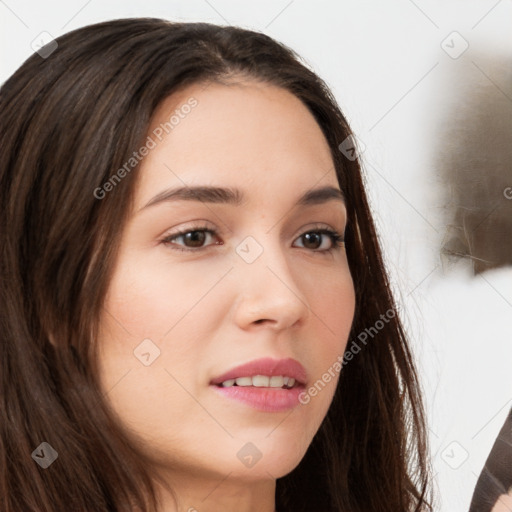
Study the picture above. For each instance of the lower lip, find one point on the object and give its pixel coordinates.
(263, 399)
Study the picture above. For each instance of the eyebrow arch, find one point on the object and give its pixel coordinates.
(234, 196)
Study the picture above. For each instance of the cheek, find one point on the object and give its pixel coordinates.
(157, 401)
(151, 300)
(150, 316)
(332, 305)
(333, 309)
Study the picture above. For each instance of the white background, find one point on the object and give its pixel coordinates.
(386, 65)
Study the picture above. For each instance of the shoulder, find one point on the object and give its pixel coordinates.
(496, 476)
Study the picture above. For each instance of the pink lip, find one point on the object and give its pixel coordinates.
(262, 398)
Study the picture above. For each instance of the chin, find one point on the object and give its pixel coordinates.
(264, 457)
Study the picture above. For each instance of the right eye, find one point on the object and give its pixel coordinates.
(195, 236)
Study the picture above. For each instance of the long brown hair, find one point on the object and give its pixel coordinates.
(68, 121)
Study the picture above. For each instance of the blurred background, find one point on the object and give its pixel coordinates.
(427, 88)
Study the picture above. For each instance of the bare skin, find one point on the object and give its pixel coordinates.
(504, 503)
(208, 310)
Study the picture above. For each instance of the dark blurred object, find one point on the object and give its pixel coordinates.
(475, 163)
(496, 476)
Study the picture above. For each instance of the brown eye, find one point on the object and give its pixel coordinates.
(193, 239)
(313, 239)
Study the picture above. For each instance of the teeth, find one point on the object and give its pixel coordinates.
(261, 381)
(244, 381)
(276, 381)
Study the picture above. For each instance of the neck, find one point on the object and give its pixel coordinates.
(196, 493)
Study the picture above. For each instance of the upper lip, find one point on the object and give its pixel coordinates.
(266, 366)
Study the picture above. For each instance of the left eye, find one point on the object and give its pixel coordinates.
(197, 236)
(314, 236)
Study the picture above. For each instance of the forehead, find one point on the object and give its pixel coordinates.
(242, 134)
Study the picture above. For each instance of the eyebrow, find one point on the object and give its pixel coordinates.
(234, 196)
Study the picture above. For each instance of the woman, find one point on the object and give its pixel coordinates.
(182, 236)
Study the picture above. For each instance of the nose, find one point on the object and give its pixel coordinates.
(269, 290)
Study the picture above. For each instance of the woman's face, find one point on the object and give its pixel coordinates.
(263, 285)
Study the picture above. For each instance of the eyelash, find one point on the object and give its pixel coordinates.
(336, 239)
